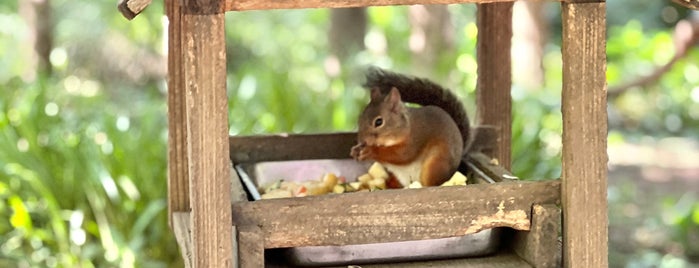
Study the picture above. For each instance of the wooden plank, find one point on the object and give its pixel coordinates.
(207, 117)
(251, 251)
(178, 172)
(291, 147)
(539, 246)
(240, 5)
(584, 155)
(495, 74)
(491, 169)
(203, 7)
(394, 215)
(183, 234)
(131, 8)
(285, 147)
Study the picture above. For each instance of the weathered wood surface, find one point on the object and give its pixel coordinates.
(181, 226)
(178, 163)
(491, 168)
(584, 156)
(693, 4)
(495, 74)
(539, 246)
(207, 118)
(240, 5)
(284, 147)
(131, 8)
(394, 215)
(251, 251)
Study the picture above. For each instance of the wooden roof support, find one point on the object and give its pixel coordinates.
(131, 8)
(240, 5)
(495, 74)
(207, 133)
(178, 163)
(199, 169)
(584, 109)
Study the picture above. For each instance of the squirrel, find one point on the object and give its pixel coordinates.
(424, 144)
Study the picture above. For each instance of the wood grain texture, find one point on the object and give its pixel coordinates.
(584, 158)
(207, 117)
(131, 8)
(181, 226)
(394, 215)
(240, 5)
(251, 149)
(539, 246)
(495, 74)
(251, 251)
(178, 163)
(491, 169)
(203, 7)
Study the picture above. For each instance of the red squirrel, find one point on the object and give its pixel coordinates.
(424, 144)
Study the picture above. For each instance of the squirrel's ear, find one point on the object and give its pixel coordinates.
(376, 94)
(394, 96)
(394, 99)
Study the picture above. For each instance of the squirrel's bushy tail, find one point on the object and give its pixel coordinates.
(423, 92)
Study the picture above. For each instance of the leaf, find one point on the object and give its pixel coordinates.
(20, 218)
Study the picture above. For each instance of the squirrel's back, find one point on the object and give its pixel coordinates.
(423, 92)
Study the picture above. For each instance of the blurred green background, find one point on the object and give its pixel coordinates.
(83, 115)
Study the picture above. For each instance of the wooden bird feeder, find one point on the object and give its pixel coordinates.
(216, 226)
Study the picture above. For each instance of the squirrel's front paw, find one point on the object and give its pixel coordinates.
(360, 152)
(356, 151)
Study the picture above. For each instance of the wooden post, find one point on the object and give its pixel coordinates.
(539, 246)
(178, 173)
(207, 132)
(251, 248)
(584, 109)
(495, 74)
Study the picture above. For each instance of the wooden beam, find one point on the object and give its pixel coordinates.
(131, 8)
(178, 163)
(285, 147)
(495, 74)
(584, 155)
(207, 118)
(394, 215)
(240, 5)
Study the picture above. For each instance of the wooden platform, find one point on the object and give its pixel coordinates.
(530, 207)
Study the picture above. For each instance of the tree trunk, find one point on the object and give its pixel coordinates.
(38, 15)
(432, 33)
(529, 30)
(348, 27)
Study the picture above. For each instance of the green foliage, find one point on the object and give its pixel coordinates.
(83, 181)
(663, 108)
(666, 107)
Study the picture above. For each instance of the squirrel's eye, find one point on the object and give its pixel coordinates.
(378, 122)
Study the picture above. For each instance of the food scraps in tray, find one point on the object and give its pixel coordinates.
(375, 179)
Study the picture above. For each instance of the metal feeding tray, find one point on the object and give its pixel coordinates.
(264, 173)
